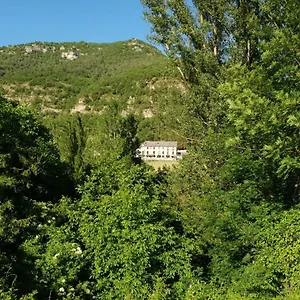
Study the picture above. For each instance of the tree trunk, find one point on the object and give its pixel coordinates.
(249, 52)
(216, 48)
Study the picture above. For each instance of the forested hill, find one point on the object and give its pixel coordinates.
(84, 76)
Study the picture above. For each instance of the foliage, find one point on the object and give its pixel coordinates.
(47, 81)
(222, 224)
(242, 171)
(30, 174)
(118, 240)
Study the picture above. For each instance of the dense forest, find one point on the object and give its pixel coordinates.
(82, 218)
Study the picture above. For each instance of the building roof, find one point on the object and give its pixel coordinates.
(159, 144)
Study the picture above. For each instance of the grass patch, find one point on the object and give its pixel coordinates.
(156, 164)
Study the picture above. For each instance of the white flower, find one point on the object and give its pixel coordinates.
(77, 250)
(61, 290)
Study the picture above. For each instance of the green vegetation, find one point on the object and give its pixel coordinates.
(160, 164)
(134, 76)
(38, 73)
(82, 218)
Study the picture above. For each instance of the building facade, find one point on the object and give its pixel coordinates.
(158, 150)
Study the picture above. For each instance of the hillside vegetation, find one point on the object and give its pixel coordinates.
(85, 76)
(102, 82)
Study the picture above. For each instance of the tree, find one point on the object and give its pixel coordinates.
(244, 170)
(128, 133)
(187, 30)
(30, 174)
(75, 138)
(193, 34)
(118, 240)
(2, 71)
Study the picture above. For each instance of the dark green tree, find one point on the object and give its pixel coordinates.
(75, 143)
(30, 174)
(129, 126)
(2, 71)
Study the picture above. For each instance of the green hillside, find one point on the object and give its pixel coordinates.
(105, 83)
(85, 76)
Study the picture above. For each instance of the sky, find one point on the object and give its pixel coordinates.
(103, 21)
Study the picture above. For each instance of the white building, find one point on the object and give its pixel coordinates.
(158, 150)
